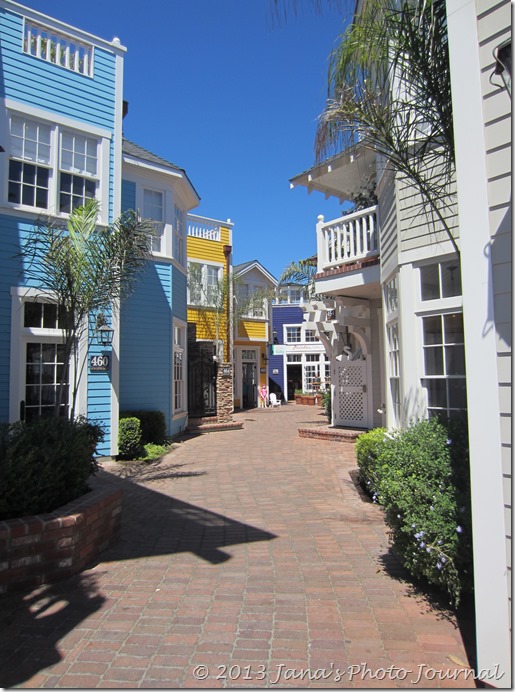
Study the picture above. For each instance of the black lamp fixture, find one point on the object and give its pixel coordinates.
(275, 340)
(502, 55)
(105, 332)
(264, 358)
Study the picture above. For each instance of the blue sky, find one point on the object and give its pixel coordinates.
(222, 90)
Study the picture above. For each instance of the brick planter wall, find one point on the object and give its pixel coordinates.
(47, 547)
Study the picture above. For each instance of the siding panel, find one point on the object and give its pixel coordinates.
(146, 343)
(85, 99)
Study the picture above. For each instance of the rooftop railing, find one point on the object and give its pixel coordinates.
(58, 49)
(201, 227)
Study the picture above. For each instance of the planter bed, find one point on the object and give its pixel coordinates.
(307, 399)
(43, 548)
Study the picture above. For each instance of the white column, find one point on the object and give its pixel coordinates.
(490, 569)
(321, 245)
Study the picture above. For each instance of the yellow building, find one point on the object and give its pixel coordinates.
(209, 251)
(252, 333)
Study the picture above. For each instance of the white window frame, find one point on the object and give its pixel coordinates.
(288, 328)
(148, 211)
(179, 239)
(204, 286)
(445, 376)
(435, 307)
(290, 295)
(308, 335)
(392, 335)
(248, 289)
(57, 126)
(21, 335)
(179, 348)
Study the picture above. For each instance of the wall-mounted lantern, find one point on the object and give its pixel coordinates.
(105, 332)
(502, 55)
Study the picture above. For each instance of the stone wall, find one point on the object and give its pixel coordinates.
(224, 392)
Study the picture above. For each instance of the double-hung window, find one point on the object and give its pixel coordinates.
(153, 209)
(78, 171)
(50, 166)
(444, 363)
(251, 297)
(391, 303)
(29, 163)
(212, 289)
(443, 342)
(204, 284)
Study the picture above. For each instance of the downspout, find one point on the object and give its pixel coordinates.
(228, 349)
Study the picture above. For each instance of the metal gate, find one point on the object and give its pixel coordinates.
(351, 406)
(249, 385)
(201, 379)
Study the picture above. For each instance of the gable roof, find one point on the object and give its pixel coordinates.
(244, 267)
(133, 149)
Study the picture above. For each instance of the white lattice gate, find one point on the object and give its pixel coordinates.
(351, 405)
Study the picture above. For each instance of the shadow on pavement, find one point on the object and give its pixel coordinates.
(33, 623)
(430, 599)
(158, 524)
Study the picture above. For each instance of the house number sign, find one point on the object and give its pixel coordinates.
(226, 371)
(99, 363)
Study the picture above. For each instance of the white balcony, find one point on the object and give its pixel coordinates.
(347, 240)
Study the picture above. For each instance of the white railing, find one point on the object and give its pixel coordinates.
(200, 227)
(347, 239)
(57, 48)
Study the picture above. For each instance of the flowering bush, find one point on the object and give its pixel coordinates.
(421, 478)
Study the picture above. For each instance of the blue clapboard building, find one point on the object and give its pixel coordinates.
(61, 141)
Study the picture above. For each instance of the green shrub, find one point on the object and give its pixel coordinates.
(424, 489)
(368, 447)
(326, 402)
(153, 425)
(152, 452)
(45, 464)
(129, 439)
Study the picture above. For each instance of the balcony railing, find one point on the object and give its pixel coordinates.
(58, 48)
(201, 227)
(348, 239)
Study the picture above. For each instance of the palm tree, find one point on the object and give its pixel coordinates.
(389, 90)
(87, 270)
(301, 273)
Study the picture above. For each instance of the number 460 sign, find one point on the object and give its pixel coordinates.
(99, 363)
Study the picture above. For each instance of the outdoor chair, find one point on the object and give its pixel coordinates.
(274, 401)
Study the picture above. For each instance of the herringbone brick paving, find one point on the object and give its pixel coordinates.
(247, 559)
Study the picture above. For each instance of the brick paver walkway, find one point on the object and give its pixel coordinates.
(248, 559)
